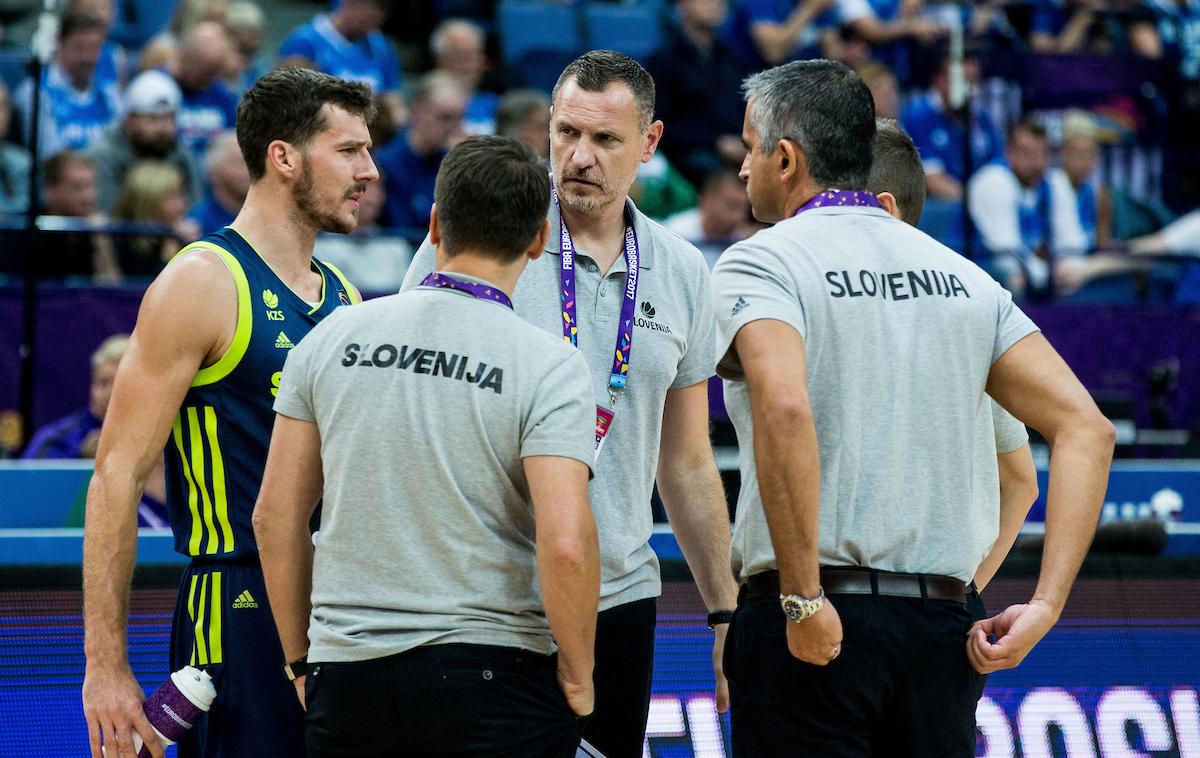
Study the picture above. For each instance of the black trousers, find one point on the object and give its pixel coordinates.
(902, 685)
(440, 700)
(624, 667)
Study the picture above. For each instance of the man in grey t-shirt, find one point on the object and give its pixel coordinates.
(450, 443)
(898, 183)
(601, 130)
(857, 352)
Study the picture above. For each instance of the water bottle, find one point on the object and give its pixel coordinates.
(175, 706)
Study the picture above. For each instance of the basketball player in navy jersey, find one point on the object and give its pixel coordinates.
(198, 381)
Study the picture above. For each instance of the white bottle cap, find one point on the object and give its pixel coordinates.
(196, 685)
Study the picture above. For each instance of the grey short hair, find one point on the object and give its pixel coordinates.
(822, 106)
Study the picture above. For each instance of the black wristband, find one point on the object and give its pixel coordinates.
(296, 668)
(719, 617)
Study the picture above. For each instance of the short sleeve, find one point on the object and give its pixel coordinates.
(420, 267)
(295, 396)
(697, 363)
(750, 283)
(1010, 432)
(562, 413)
(1012, 325)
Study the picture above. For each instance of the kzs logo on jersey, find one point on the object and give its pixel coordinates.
(271, 300)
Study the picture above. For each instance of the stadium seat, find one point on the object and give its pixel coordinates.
(635, 30)
(540, 69)
(528, 28)
(140, 20)
(14, 67)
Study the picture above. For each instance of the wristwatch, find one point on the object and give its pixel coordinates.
(798, 608)
(719, 617)
(296, 668)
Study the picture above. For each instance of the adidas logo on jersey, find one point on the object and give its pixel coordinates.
(245, 600)
(739, 306)
(283, 343)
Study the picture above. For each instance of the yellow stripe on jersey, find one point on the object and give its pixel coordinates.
(218, 473)
(245, 317)
(201, 645)
(196, 443)
(214, 625)
(193, 494)
(192, 613)
(351, 290)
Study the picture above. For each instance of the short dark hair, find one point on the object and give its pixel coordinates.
(75, 22)
(286, 104)
(826, 109)
(55, 167)
(491, 195)
(595, 70)
(897, 169)
(1030, 127)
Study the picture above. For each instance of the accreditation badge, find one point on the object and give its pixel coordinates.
(604, 417)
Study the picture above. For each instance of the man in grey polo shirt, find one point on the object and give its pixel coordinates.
(898, 182)
(857, 352)
(450, 443)
(601, 130)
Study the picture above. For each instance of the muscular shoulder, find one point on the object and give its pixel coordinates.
(193, 301)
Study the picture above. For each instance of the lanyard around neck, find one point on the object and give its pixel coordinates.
(474, 289)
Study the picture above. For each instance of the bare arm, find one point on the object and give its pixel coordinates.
(693, 495)
(789, 472)
(568, 562)
(1018, 490)
(694, 498)
(776, 41)
(1033, 383)
(186, 320)
(944, 186)
(291, 488)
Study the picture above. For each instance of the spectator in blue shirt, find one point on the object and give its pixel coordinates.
(14, 165)
(698, 78)
(458, 50)
(1097, 27)
(78, 434)
(208, 107)
(769, 32)
(938, 133)
(76, 106)
(410, 162)
(228, 180)
(348, 44)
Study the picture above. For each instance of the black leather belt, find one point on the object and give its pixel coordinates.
(855, 581)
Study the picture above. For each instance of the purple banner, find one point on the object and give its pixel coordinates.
(1111, 349)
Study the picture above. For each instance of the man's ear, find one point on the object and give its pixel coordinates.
(888, 201)
(790, 161)
(283, 158)
(435, 232)
(539, 242)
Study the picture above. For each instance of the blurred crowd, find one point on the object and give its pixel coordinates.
(136, 145)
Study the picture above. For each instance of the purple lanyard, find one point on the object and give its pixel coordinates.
(839, 198)
(624, 348)
(481, 291)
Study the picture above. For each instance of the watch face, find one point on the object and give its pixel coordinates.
(793, 608)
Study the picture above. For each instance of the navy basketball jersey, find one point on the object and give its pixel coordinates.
(218, 445)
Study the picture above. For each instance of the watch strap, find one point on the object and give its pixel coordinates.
(296, 668)
(719, 617)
